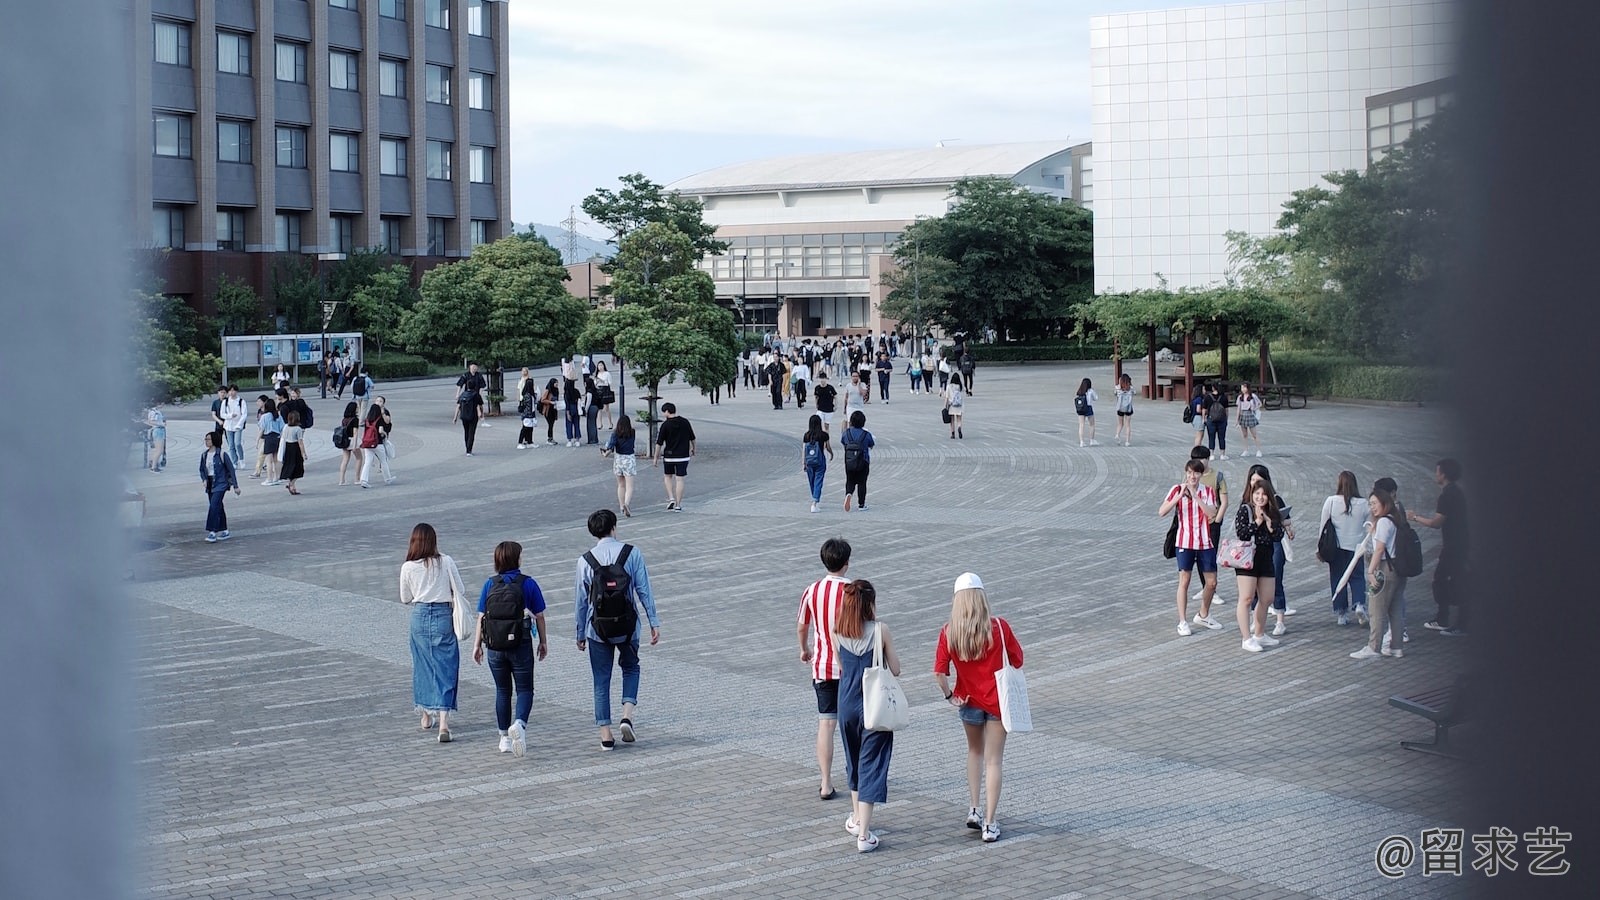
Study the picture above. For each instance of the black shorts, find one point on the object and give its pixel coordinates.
(827, 698)
(1124, 412)
(675, 468)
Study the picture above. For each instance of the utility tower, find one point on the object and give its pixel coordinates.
(570, 223)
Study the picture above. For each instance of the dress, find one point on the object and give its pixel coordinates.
(293, 461)
(866, 753)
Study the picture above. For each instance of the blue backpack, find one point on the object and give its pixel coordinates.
(813, 453)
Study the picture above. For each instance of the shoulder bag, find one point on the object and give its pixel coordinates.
(464, 613)
(1236, 554)
(1169, 547)
(883, 703)
(1328, 542)
(1012, 687)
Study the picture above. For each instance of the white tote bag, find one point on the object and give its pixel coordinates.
(464, 612)
(1012, 687)
(884, 706)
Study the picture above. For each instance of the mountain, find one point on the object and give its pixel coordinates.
(587, 247)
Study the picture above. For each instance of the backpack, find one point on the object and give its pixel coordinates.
(813, 453)
(505, 626)
(967, 365)
(1188, 413)
(612, 612)
(305, 415)
(1218, 412)
(854, 454)
(525, 406)
(370, 438)
(359, 387)
(1407, 551)
(342, 435)
(1080, 404)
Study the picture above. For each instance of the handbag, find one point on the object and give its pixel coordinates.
(944, 415)
(1328, 542)
(464, 613)
(883, 703)
(1012, 687)
(1169, 547)
(1236, 554)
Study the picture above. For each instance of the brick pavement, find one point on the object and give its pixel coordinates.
(282, 759)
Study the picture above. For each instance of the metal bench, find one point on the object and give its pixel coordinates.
(1441, 706)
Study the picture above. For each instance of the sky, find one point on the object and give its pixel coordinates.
(603, 88)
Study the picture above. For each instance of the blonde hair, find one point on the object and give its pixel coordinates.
(969, 633)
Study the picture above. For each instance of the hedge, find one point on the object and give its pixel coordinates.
(1324, 374)
(1041, 351)
(392, 364)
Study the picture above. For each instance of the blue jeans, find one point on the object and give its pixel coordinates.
(1217, 436)
(814, 475)
(592, 414)
(512, 668)
(601, 655)
(235, 446)
(1354, 596)
(574, 430)
(1278, 603)
(216, 516)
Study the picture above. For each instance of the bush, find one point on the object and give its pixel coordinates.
(392, 365)
(1041, 351)
(1324, 374)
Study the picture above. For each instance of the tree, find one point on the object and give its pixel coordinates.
(641, 202)
(345, 277)
(377, 308)
(297, 293)
(1003, 256)
(238, 307)
(165, 372)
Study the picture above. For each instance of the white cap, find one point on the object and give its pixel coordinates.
(969, 580)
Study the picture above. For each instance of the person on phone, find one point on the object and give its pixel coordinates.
(1195, 504)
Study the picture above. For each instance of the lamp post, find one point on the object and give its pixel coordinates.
(778, 282)
(744, 290)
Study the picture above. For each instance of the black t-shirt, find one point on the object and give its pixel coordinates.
(1453, 530)
(824, 395)
(472, 383)
(675, 435)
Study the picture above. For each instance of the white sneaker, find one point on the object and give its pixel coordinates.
(1252, 644)
(813, 507)
(505, 743)
(1223, 456)
(1265, 641)
(1278, 630)
(1365, 653)
(991, 832)
(867, 844)
(1208, 622)
(1094, 443)
(1258, 454)
(974, 821)
(1082, 444)
(1386, 642)
(1405, 636)
(1397, 654)
(1184, 629)
(850, 825)
(1343, 619)
(519, 738)
(1288, 611)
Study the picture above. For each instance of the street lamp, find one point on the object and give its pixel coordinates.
(778, 282)
(744, 289)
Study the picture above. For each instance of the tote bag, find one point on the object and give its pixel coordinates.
(883, 703)
(1012, 687)
(1236, 554)
(464, 611)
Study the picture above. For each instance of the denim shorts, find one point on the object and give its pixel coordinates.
(972, 715)
(827, 698)
(1206, 558)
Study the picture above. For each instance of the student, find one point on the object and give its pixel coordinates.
(350, 431)
(857, 443)
(1124, 394)
(885, 370)
(825, 396)
(1195, 505)
(814, 455)
(866, 753)
(622, 649)
(675, 442)
(1197, 414)
(217, 474)
(1249, 403)
(956, 402)
(469, 403)
(291, 451)
(1083, 404)
(625, 466)
(1385, 585)
(430, 583)
(1216, 417)
(512, 668)
(1450, 572)
(1259, 522)
(819, 609)
(1347, 510)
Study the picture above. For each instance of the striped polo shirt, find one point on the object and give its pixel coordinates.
(1193, 532)
(819, 608)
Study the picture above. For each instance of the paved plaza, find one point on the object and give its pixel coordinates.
(279, 754)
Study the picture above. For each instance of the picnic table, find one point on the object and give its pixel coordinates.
(1169, 383)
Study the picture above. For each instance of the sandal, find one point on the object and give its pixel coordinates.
(828, 796)
(444, 736)
(427, 723)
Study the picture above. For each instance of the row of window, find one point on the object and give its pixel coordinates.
(233, 48)
(174, 138)
(169, 231)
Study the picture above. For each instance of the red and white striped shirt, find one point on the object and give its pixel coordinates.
(819, 608)
(1194, 532)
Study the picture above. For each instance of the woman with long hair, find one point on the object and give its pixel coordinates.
(1124, 398)
(549, 404)
(1259, 522)
(373, 455)
(602, 380)
(1216, 405)
(527, 401)
(291, 451)
(430, 583)
(1348, 512)
(270, 427)
(955, 400)
(977, 644)
(591, 408)
(856, 632)
(350, 424)
(572, 399)
(1249, 405)
(1384, 583)
(1279, 603)
(625, 466)
(814, 455)
(1083, 404)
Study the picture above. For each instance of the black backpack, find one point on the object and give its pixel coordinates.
(1407, 551)
(358, 388)
(1188, 413)
(1080, 404)
(504, 625)
(612, 613)
(854, 454)
(341, 435)
(306, 417)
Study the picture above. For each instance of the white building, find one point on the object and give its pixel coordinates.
(810, 236)
(1207, 119)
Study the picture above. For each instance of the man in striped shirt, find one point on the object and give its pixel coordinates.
(1196, 506)
(819, 609)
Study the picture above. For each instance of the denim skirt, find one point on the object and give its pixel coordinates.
(435, 657)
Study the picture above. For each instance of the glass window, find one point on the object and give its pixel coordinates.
(233, 53)
(389, 232)
(287, 233)
(439, 160)
(1379, 116)
(168, 227)
(437, 229)
(172, 43)
(342, 4)
(291, 62)
(1400, 132)
(1378, 137)
(436, 13)
(173, 136)
(344, 152)
(480, 90)
(439, 84)
(1402, 111)
(392, 77)
(233, 141)
(342, 232)
(393, 157)
(478, 17)
(343, 70)
(392, 9)
(480, 232)
(291, 147)
(1426, 106)
(230, 229)
(481, 165)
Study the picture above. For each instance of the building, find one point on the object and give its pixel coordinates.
(317, 127)
(584, 281)
(1207, 119)
(810, 236)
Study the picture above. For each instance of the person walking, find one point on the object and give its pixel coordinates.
(976, 645)
(1217, 420)
(625, 463)
(1450, 571)
(857, 442)
(1197, 413)
(219, 477)
(1249, 404)
(1385, 585)
(234, 416)
(966, 366)
(385, 451)
(431, 584)
(814, 455)
(508, 601)
(1194, 504)
(280, 377)
(926, 367)
(591, 409)
(324, 372)
(826, 396)
(612, 582)
(913, 374)
(607, 395)
(469, 405)
(371, 446)
(1280, 551)
(291, 451)
(527, 410)
(1260, 523)
(885, 369)
(1348, 512)
(1124, 395)
(360, 387)
(955, 404)
(944, 371)
(269, 428)
(856, 635)
(819, 609)
(802, 382)
(775, 382)
(1083, 404)
(335, 376)
(156, 459)
(676, 446)
(347, 437)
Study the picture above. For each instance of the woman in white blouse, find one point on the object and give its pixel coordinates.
(602, 380)
(430, 584)
(1347, 510)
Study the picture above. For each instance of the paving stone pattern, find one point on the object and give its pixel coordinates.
(280, 755)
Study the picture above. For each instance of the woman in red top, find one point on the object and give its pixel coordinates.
(972, 641)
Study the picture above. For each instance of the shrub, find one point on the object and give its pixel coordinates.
(1325, 374)
(391, 365)
(1041, 351)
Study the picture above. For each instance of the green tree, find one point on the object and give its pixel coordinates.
(297, 293)
(377, 308)
(345, 277)
(165, 372)
(641, 202)
(1003, 256)
(238, 307)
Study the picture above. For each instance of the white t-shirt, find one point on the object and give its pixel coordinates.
(1384, 533)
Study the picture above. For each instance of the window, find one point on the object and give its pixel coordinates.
(392, 77)
(233, 53)
(230, 229)
(389, 234)
(480, 90)
(439, 160)
(233, 141)
(480, 165)
(344, 152)
(439, 84)
(436, 236)
(291, 62)
(342, 4)
(393, 156)
(343, 71)
(167, 227)
(288, 233)
(291, 147)
(172, 43)
(480, 231)
(173, 136)
(436, 13)
(342, 232)
(478, 17)
(392, 9)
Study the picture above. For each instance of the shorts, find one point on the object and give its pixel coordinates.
(1199, 422)
(1088, 413)
(1124, 412)
(827, 417)
(972, 715)
(1207, 559)
(680, 467)
(625, 465)
(827, 698)
(1263, 567)
(269, 443)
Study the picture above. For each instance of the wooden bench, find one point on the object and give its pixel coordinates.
(1441, 706)
(1279, 396)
